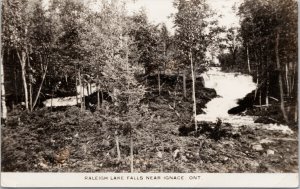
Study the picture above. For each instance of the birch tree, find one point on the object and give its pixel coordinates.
(191, 39)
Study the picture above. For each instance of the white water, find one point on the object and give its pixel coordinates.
(230, 87)
(70, 100)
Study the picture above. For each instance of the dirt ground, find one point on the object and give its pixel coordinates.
(28, 144)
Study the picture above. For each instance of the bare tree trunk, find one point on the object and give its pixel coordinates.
(257, 76)
(90, 87)
(260, 100)
(30, 82)
(52, 99)
(40, 87)
(287, 80)
(248, 60)
(3, 100)
(282, 105)
(98, 96)
(87, 89)
(16, 86)
(296, 112)
(184, 83)
(102, 98)
(83, 98)
(22, 60)
(30, 96)
(194, 92)
(293, 78)
(158, 75)
(165, 57)
(76, 91)
(81, 91)
(131, 152)
(118, 147)
(267, 82)
(267, 89)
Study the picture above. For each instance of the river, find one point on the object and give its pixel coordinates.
(230, 87)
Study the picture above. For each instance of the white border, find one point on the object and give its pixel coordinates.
(273, 180)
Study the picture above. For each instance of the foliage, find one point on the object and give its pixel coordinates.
(190, 35)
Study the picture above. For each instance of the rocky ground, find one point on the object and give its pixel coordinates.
(164, 141)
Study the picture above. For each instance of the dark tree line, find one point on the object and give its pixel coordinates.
(48, 52)
(268, 51)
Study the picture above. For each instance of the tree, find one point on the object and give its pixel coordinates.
(43, 36)
(3, 108)
(269, 32)
(15, 17)
(190, 36)
(232, 43)
(71, 18)
(145, 37)
(107, 62)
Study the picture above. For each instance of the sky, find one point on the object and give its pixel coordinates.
(159, 11)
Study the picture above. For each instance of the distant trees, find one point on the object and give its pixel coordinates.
(269, 30)
(150, 45)
(43, 37)
(268, 50)
(37, 37)
(146, 39)
(232, 43)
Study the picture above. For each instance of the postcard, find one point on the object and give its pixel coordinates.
(149, 93)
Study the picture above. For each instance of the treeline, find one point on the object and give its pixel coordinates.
(49, 51)
(266, 47)
(63, 47)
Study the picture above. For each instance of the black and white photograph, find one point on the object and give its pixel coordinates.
(149, 86)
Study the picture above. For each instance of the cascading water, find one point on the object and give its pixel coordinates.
(230, 87)
(71, 100)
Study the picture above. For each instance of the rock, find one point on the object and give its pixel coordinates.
(266, 141)
(270, 152)
(253, 164)
(257, 147)
(184, 159)
(189, 155)
(228, 144)
(105, 143)
(237, 110)
(159, 154)
(265, 120)
(43, 165)
(185, 130)
(176, 154)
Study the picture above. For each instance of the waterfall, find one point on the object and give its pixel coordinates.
(231, 87)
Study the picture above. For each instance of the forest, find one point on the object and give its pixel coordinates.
(266, 47)
(101, 90)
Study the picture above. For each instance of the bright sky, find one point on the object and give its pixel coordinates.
(159, 11)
